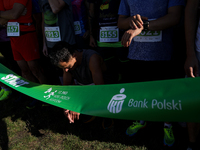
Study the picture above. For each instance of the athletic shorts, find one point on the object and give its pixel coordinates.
(25, 47)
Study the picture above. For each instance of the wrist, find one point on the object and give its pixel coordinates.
(191, 57)
(91, 36)
(91, 33)
(190, 52)
(145, 25)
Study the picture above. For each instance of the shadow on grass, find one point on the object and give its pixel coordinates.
(51, 118)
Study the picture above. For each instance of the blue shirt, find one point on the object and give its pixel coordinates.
(153, 9)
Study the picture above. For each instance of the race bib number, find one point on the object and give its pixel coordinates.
(77, 27)
(13, 29)
(52, 34)
(109, 34)
(149, 36)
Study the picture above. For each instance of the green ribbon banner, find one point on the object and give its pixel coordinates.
(174, 100)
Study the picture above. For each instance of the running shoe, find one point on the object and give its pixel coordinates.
(193, 146)
(32, 104)
(168, 137)
(132, 130)
(6, 95)
(189, 148)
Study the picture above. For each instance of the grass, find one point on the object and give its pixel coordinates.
(46, 128)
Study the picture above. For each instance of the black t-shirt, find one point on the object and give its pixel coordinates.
(106, 14)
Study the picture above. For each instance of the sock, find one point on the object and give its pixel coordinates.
(142, 122)
(168, 125)
(61, 79)
(183, 124)
(7, 89)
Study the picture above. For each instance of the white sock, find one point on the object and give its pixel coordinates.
(167, 125)
(142, 122)
(7, 89)
(183, 124)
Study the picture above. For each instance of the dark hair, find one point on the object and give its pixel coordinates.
(61, 52)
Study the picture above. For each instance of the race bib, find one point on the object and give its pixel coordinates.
(13, 29)
(109, 34)
(149, 36)
(77, 27)
(52, 34)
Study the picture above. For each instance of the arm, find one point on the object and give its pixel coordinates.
(135, 23)
(170, 19)
(134, 26)
(129, 35)
(97, 66)
(91, 21)
(71, 115)
(44, 50)
(87, 33)
(13, 13)
(67, 78)
(56, 5)
(3, 22)
(191, 64)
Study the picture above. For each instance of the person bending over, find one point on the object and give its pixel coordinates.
(84, 67)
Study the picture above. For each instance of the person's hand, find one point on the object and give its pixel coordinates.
(92, 41)
(191, 66)
(136, 21)
(71, 115)
(129, 35)
(24, 12)
(45, 51)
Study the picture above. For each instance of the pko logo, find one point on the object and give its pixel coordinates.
(115, 105)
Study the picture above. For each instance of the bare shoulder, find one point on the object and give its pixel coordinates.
(95, 58)
(96, 62)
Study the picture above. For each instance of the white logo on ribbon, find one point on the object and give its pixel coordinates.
(115, 104)
(51, 93)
